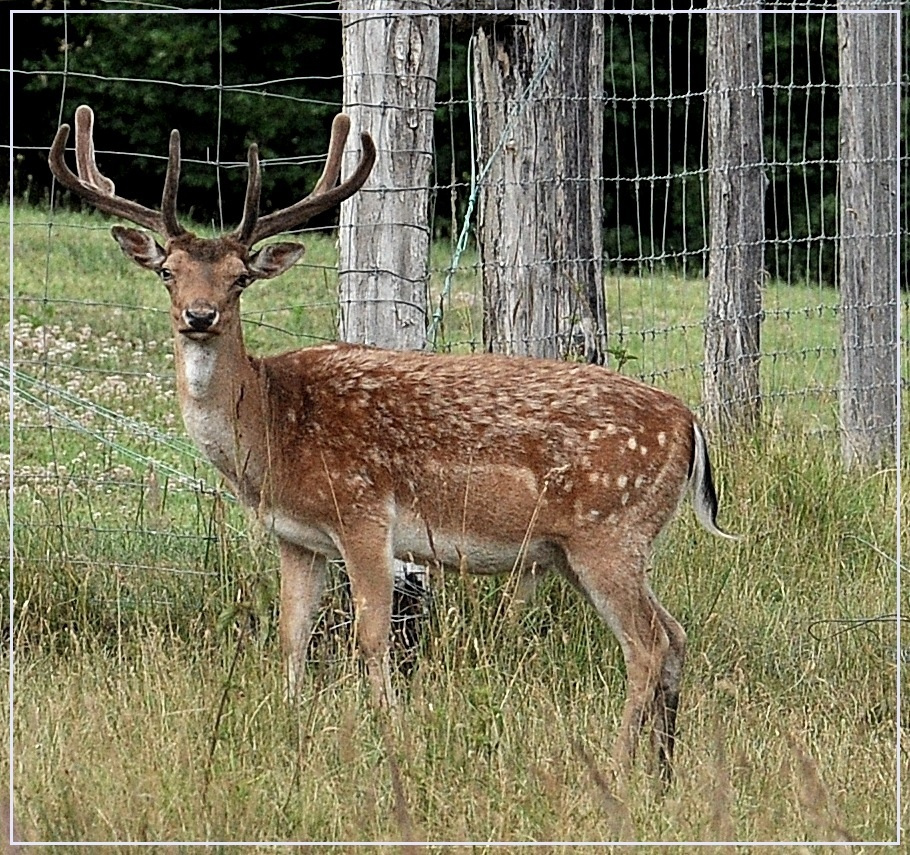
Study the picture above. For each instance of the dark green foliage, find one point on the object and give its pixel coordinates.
(654, 111)
(452, 132)
(279, 86)
(278, 81)
(801, 149)
(654, 150)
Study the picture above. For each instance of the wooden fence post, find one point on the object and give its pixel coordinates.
(538, 103)
(390, 67)
(867, 254)
(737, 224)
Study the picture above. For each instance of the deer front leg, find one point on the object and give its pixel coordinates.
(367, 554)
(302, 583)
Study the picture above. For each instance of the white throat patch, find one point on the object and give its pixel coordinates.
(199, 362)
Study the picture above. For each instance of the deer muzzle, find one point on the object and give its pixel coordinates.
(199, 321)
(199, 317)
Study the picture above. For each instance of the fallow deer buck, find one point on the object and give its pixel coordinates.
(484, 463)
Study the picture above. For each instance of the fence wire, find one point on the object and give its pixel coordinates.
(106, 482)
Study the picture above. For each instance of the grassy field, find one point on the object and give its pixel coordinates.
(148, 690)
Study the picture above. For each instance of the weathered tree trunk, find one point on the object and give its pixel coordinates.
(390, 66)
(737, 224)
(538, 91)
(867, 257)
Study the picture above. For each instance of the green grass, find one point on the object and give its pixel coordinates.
(149, 702)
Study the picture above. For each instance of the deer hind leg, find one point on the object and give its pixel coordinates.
(666, 701)
(613, 579)
(302, 583)
(368, 560)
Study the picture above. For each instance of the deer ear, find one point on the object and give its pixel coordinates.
(141, 247)
(275, 259)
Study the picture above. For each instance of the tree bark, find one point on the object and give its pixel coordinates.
(390, 67)
(737, 226)
(538, 90)
(867, 257)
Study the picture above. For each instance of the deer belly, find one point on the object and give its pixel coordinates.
(316, 539)
(414, 541)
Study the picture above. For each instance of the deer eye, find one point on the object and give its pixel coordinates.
(243, 280)
(166, 274)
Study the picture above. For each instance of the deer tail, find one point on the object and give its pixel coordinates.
(701, 482)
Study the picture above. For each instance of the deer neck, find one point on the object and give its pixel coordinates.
(221, 401)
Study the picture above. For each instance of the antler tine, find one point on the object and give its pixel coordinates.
(91, 185)
(341, 127)
(325, 194)
(251, 204)
(85, 151)
(171, 181)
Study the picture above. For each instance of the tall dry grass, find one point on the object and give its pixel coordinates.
(149, 700)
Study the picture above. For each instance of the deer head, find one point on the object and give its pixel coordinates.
(205, 277)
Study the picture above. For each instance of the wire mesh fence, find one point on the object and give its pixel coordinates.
(109, 490)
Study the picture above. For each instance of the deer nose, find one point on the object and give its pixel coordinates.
(200, 317)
